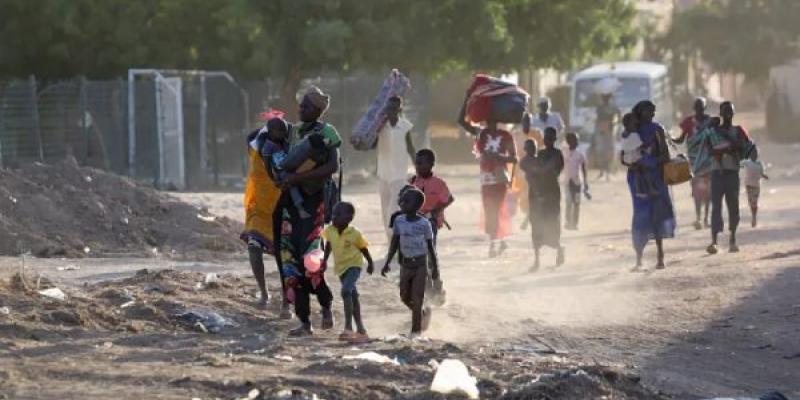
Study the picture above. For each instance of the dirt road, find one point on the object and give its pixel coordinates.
(706, 326)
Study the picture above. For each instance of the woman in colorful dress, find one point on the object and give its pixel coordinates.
(260, 200)
(301, 238)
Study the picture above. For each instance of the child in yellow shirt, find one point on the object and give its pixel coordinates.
(349, 248)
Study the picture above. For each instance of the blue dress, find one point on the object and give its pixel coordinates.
(653, 215)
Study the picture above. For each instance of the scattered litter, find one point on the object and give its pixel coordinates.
(284, 394)
(53, 293)
(128, 304)
(452, 377)
(88, 179)
(295, 394)
(108, 345)
(394, 338)
(13, 199)
(205, 321)
(211, 278)
(206, 218)
(159, 288)
(374, 357)
(283, 357)
(87, 250)
(5, 310)
(773, 191)
(124, 220)
(69, 268)
(259, 351)
(252, 395)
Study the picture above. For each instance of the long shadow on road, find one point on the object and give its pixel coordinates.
(752, 347)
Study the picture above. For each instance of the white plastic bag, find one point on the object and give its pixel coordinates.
(374, 357)
(452, 377)
(53, 293)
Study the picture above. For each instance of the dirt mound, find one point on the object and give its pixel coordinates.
(71, 211)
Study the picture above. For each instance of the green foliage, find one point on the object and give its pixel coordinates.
(296, 38)
(743, 36)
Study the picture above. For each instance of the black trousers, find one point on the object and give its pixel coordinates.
(724, 185)
(302, 303)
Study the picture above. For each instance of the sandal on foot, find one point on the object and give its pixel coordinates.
(359, 338)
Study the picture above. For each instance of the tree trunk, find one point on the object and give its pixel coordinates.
(288, 94)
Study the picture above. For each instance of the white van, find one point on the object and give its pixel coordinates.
(635, 81)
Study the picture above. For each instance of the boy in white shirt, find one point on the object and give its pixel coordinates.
(574, 166)
(753, 172)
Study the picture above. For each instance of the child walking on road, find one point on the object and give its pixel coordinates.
(437, 199)
(349, 248)
(753, 172)
(413, 236)
(575, 162)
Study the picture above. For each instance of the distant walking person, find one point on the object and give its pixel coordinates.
(653, 215)
(495, 150)
(395, 153)
(545, 196)
(691, 126)
(545, 119)
(753, 173)
(604, 131)
(729, 144)
(577, 182)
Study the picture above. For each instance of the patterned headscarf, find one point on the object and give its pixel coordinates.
(318, 98)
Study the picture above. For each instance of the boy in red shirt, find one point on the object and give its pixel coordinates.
(437, 199)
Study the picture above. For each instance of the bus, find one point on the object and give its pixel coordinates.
(635, 81)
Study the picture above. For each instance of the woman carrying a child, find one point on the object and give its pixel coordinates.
(260, 200)
(653, 215)
(300, 240)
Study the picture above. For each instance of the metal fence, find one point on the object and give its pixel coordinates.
(95, 122)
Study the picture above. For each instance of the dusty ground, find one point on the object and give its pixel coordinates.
(704, 327)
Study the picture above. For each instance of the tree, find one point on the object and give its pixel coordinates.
(743, 36)
(428, 36)
(293, 39)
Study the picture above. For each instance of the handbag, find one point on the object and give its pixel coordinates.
(677, 169)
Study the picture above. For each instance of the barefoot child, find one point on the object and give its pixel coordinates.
(753, 172)
(349, 250)
(413, 236)
(575, 162)
(437, 199)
